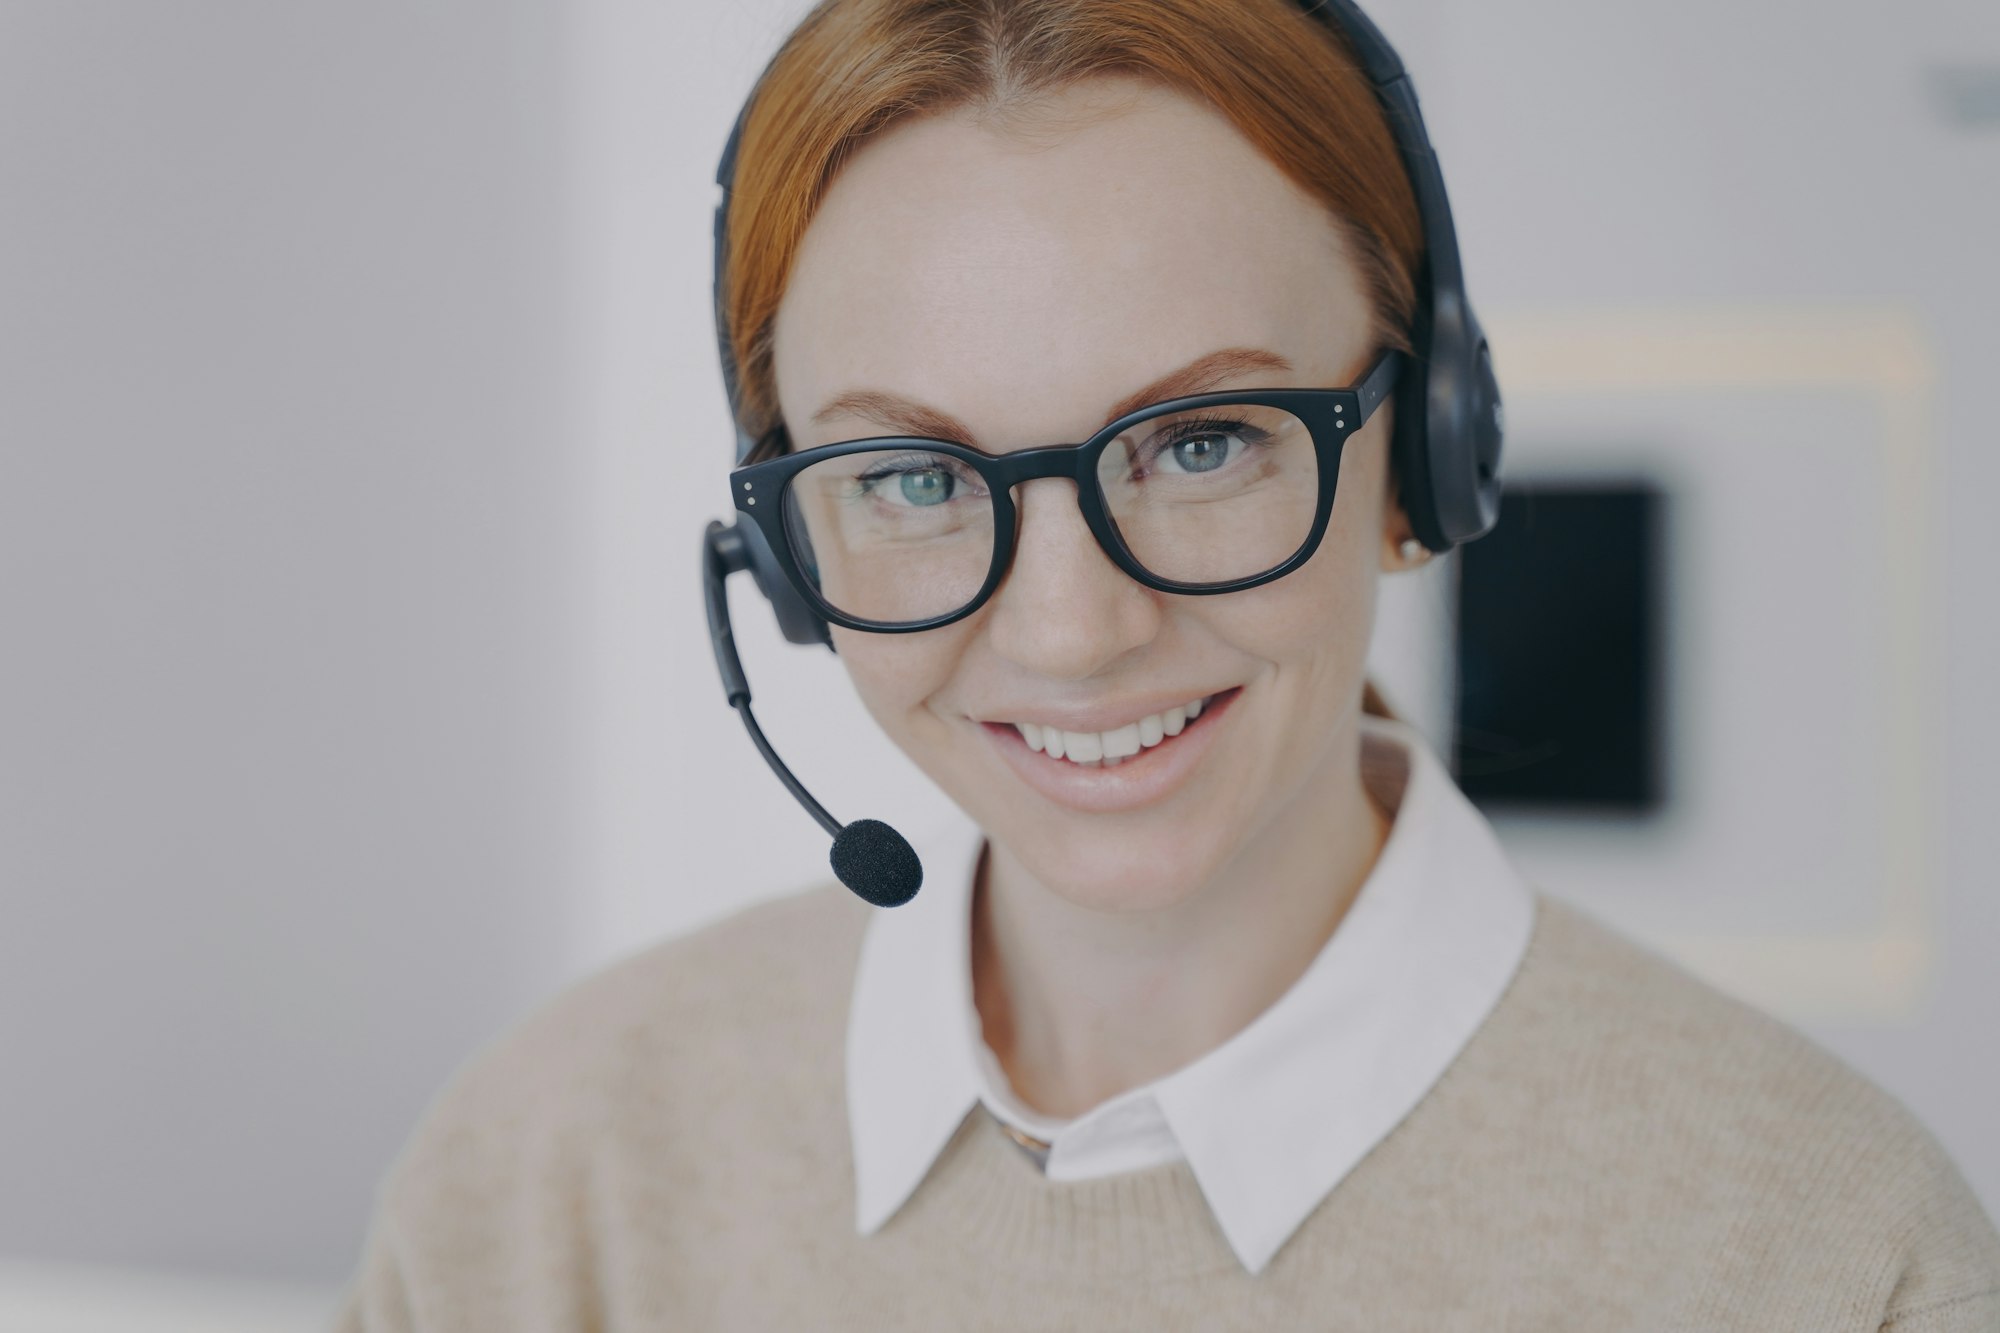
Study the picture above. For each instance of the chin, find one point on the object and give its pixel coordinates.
(1114, 870)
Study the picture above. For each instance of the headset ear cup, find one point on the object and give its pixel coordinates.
(1453, 453)
(1410, 449)
(796, 618)
(1466, 426)
(1489, 429)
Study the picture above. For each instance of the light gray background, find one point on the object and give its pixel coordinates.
(358, 414)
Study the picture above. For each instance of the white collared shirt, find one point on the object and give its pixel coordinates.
(1273, 1118)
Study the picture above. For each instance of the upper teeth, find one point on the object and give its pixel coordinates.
(1089, 747)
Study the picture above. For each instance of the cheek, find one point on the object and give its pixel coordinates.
(1313, 624)
(894, 674)
(1326, 609)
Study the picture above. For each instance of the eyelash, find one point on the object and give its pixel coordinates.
(1182, 431)
(903, 466)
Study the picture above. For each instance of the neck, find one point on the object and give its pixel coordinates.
(1080, 1005)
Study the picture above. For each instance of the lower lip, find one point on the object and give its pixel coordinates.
(1148, 776)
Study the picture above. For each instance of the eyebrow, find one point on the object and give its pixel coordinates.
(909, 417)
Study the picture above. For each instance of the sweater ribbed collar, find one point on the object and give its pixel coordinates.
(1275, 1117)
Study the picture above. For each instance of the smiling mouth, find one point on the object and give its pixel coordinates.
(1108, 749)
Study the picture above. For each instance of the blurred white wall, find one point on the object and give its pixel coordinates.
(1786, 155)
(358, 416)
(289, 618)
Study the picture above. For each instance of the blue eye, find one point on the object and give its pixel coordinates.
(916, 480)
(1198, 448)
(1205, 452)
(927, 486)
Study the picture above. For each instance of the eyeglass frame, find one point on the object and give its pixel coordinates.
(1325, 413)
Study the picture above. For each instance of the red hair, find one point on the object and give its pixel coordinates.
(852, 67)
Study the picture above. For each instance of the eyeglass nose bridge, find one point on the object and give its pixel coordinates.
(1075, 462)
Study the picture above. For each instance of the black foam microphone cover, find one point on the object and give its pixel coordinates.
(877, 862)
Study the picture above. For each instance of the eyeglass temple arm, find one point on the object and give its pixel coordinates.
(1376, 385)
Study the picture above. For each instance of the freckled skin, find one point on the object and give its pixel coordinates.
(1024, 285)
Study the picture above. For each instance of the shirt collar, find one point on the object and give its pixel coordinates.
(1275, 1117)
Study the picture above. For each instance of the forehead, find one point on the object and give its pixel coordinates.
(1025, 280)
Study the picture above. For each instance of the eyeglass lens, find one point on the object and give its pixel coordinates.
(905, 534)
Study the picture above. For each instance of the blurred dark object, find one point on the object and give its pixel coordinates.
(1968, 96)
(1559, 643)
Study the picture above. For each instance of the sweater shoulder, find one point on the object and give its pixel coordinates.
(758, 968)
(653, 1035)
(1587, 993)
(1741, 1108)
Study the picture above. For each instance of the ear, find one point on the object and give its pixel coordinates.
(1396, 533)
(1396, 528)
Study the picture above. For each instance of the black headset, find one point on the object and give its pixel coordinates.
(1445, 451)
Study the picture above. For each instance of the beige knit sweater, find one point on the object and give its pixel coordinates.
(664, 1148)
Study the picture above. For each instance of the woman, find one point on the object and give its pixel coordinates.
(1240, 1019)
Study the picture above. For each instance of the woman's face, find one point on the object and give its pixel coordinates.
(1021, 283)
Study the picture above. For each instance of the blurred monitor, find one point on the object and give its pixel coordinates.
(1559, 644)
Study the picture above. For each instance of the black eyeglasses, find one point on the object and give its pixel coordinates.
(1209, 494)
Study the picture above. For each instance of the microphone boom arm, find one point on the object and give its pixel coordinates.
(723, 555)
(868, 856)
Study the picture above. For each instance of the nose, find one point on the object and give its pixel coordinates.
(1064, 610)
